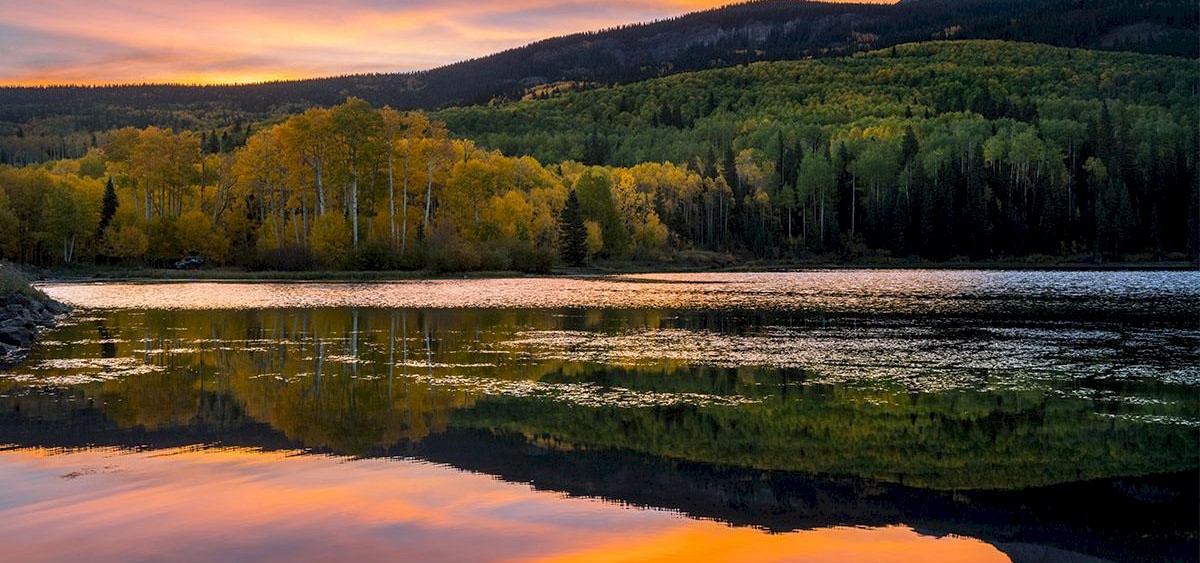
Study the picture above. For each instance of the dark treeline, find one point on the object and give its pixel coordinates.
(45, 123)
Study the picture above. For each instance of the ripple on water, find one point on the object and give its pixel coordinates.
(1159, 294)
(1063, 334)
(581, 394)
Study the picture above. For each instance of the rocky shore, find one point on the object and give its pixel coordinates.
(24, 312)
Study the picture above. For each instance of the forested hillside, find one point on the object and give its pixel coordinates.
(37, 124)
(972, 150)
(976, 149)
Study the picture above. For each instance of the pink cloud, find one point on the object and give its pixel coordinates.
(122, 41)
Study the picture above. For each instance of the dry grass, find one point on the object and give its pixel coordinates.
(12, 281)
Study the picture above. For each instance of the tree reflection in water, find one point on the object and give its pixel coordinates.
(930, 426)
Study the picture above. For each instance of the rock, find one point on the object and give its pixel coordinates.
(16, 336)
(22, 317)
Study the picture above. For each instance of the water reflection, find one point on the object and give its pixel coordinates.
(1065, 295)
(225, 504)
(1017, 407)
(1043, 431)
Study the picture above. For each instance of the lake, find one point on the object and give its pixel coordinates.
(868, 415)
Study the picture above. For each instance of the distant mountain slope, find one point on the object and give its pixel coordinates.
(681, 117)
(990, 128)
(740, 33)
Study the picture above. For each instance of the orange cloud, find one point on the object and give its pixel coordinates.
(130, 41)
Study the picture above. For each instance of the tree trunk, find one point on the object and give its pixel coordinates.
(354, 205)
(428, 197)
(853, 206)
(822, 237)
(68, 247)
(404, 197)
(391, 197)
(303, 224)
(320, 188)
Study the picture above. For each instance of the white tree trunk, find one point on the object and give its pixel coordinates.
(404, 196)
(320, 188)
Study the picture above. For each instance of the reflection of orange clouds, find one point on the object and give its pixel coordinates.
(223, 42)
(708, 541)
(205, 504)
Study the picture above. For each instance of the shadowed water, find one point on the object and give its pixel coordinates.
(1050, 415)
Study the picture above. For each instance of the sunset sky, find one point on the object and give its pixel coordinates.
(218, 41)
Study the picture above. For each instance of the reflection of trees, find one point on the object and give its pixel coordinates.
(360, 382)
(998, 441)
(346, 381)
(329, 379)
(107, 348)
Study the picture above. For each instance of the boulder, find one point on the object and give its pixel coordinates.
(58, 308)
(16, 336)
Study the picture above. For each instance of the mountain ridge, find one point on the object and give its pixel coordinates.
(796, 28)
(48, 122)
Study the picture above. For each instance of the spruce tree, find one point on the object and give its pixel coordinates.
(572, 233)
(108, 207)
(213, 144)
(909, 146)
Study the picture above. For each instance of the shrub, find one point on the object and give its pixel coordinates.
(447, 251)
(495, 257)
(285, 259)
(527, 257)
(374, 255)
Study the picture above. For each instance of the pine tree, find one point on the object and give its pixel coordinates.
(572, 233)
(909, 146)
(108, 207)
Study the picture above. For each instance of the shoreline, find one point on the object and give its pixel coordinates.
(599, 270)
(25, 312)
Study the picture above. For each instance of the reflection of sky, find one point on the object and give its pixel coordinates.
(104, 41)
(1104, 294)
(105, 505)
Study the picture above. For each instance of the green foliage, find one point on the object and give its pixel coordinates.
(965, 148)
(944, 150)
(574, 235)
(108, 206)
(596, 204)
(374, 256)
(984, 433)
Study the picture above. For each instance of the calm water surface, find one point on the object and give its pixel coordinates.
(817, 416)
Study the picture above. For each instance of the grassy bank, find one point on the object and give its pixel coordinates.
(14, 282)
(634, 266)
(222, 274)
(24, 313)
